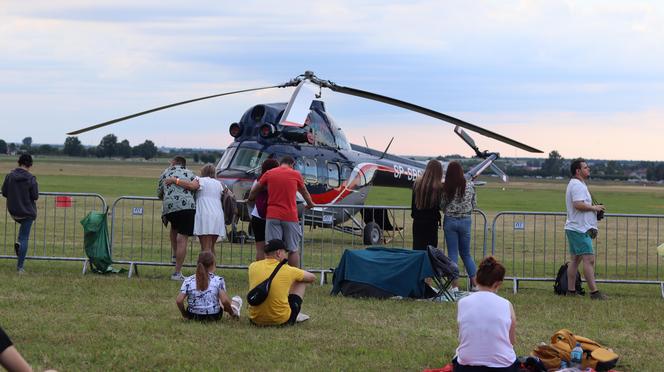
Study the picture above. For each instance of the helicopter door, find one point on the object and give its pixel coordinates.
(333, 175)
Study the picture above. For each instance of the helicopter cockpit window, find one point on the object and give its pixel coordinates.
(339, 135)
(333, 175)
(247, 159)
(321, 131)
(310, 171)
(226, 158)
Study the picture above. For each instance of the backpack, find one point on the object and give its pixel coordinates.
(560, 285)
(229, 205)
(595, 355)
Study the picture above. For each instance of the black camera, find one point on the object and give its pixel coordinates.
(600, 215)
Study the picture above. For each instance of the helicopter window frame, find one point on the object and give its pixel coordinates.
(247, 158)
(309, 171)
(333, 175)
(226, 158)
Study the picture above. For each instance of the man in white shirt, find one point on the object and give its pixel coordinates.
(580, 228)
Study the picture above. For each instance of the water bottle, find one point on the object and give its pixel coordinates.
(576, 355)
(236, 304)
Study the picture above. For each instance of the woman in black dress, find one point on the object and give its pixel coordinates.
(425, 206)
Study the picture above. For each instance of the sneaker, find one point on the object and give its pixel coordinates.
(473, 289)
(20, 271)
(598, 296)
(16, 247)
(177, 276)
(236, 304)
(301, 317)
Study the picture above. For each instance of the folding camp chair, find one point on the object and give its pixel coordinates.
(445, 271)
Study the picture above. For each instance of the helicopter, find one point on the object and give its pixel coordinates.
(335, 171)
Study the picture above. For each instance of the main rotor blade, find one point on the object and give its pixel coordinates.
(79, 131)
(428, 112)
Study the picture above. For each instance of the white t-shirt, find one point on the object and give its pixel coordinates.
(207, 301)
(577, 220)
(484, 320)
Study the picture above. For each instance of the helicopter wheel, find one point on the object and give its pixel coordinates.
(373, 235)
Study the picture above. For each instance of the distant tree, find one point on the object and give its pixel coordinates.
(124, 149)
(3, 147)
(47, 150)
(27, 143)
(553, 165)
(90, 151)
(146, 150)
(73, 147)
(11, 147)
(197, 157)
(108, 146)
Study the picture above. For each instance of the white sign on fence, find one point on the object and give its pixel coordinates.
(519, 225)
(137, 211)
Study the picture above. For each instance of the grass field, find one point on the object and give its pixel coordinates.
(61, 319)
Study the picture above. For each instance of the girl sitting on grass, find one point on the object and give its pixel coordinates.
(205, 293)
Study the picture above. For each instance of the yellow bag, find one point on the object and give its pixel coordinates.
(595, 355)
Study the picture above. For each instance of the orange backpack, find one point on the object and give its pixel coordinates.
(562, 342)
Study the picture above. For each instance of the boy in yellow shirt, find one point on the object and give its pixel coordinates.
(284, 300)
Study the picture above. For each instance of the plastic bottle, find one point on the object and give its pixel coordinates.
(576, 355)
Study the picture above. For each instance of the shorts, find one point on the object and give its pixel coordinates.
(289, 232)
(295, 303)
(579, 243)
(182, 221)
(204, 317)
(258, 227)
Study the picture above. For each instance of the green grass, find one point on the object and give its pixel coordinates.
(63, 320)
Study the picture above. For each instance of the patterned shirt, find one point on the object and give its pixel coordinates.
(207, 301)
(175, 198)
(461, 206)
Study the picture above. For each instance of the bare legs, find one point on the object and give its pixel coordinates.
(208, 242)
(588, 271)
(294, 259)
(260, 251)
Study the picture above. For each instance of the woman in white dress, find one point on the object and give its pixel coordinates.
(209, 221)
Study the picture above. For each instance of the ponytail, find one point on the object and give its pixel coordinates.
(205, 261)
(490, 272)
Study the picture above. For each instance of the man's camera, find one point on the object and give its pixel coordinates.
(600, 215)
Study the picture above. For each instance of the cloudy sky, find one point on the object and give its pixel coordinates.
(585, 78)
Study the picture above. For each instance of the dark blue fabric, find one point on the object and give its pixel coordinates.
(398, 271)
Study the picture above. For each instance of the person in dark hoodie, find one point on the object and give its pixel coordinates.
(21, 190)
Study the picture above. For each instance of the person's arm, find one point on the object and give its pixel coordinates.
(184, 183)
(226, 304)
(12, 360)
(307, 197)
(4, 188)
(180, 302)
(255, 190)
(582, 206)
(512, 326)
(160, 188)
(308, 277)
(34, 189)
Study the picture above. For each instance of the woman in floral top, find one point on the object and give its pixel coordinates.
(458, 204)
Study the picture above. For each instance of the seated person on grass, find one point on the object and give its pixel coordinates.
(486, 325)
(205, 292)
(284, 300)
(10, 358)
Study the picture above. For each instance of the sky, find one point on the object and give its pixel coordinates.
(585, 78)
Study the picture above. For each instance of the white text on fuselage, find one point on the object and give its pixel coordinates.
(411, 174)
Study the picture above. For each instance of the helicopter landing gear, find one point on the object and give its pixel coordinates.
(373, 234)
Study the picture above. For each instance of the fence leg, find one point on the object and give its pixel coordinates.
(515, 285)
(661, 287)
(131, 270)
(85, 266)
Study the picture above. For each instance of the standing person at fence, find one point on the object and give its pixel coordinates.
(487, 325)
(581, 228)
(457, 204)
(21, 190)
(206, 293)
(178, 208)
(282, 184)
(209, 219)
(425, 206)
(284, 300)
(259, 211)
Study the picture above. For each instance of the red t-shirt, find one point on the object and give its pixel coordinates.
(282, 184)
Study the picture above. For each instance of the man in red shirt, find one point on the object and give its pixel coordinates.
(283, 183)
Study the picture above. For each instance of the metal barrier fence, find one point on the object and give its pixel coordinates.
(532, 246)
(56, 233)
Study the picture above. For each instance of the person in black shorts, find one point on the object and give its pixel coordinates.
(10, 358)
(178, 208)
(259, 212)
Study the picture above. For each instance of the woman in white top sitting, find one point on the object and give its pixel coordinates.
(205, 292)
(486, 325)
(209, 221)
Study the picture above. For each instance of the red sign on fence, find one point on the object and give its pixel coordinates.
(63, 201)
